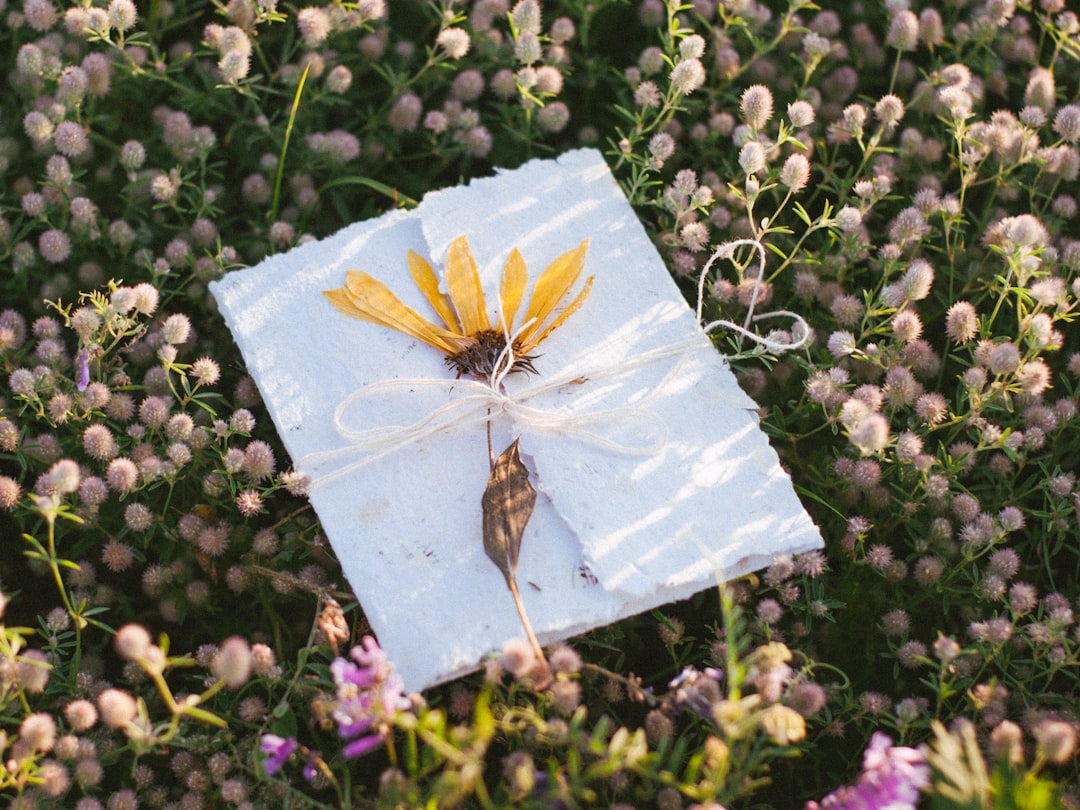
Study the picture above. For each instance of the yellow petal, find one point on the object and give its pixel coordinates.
(463, 284)
(511, 290)
(425, 279)
(554, 283)
(368, 299)
(533, 341)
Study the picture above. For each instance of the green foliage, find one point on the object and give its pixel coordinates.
(909, 179)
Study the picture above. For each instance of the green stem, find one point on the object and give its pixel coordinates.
(285, 145)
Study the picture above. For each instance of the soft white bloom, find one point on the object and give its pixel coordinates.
(455, 41)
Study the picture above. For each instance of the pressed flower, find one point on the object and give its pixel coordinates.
(467, 338)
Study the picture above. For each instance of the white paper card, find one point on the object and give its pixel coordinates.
(653, 477)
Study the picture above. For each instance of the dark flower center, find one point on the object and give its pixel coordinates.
(480, 359)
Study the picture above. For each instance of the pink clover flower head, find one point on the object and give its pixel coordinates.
(277, 750)
(454, 41)
(891, 779)
(687, 76)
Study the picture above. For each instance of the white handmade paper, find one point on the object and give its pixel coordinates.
(654, 480)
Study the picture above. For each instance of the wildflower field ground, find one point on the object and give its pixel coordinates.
(174, 629)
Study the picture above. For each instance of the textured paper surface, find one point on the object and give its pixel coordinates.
(666, 485)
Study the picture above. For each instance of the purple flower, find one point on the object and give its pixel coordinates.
(309, 768)
(697, 690)
(369, 694)
(82, 360)
(278, 749)
(370, 655)
(891, 779)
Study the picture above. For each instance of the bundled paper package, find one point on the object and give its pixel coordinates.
(653, 478)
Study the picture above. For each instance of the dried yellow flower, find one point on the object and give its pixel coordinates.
(471, 344)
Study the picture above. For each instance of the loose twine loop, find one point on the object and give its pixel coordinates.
(483, 400)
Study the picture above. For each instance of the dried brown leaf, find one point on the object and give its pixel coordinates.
(507, 504)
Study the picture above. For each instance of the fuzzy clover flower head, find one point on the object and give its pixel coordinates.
(687, 76)
(454, 41)
(756, 105)
(471, 344)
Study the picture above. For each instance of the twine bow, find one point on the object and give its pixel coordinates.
(483, 400)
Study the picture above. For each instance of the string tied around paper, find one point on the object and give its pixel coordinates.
(480, 401)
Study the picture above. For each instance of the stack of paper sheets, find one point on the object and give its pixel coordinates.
(663, 485)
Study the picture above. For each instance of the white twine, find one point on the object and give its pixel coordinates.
(487, 399)
(727, 251)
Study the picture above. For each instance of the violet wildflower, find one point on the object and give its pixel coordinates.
(931, 27)
(693, 47)
(697, 690)
(562, 30)
(549, 81)
(369, 693)
(892, 778)
(38, 126)
(277, 750)
(38, 732)
(468, 85)
(82, 364)
(1041, 90)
